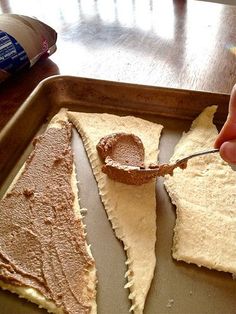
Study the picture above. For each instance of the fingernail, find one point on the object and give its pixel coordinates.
(233, 166)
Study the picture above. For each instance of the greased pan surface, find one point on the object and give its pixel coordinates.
(177, 287)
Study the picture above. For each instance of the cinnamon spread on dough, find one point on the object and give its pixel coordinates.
(42, 243)
(123, 157)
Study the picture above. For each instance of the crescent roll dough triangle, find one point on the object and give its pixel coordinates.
(131, 209)
(86, 286)
(205, 198)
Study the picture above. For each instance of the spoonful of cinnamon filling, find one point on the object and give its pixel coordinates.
(123, 157)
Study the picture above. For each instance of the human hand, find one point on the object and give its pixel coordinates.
(226, 140)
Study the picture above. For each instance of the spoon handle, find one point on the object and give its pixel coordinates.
(209, 151)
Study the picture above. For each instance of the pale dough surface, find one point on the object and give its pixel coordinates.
(31, 294)
(205, 198)
(131, 209)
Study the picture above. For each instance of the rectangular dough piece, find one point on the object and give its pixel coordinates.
(205, 198)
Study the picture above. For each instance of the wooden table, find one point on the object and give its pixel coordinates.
(179, 44)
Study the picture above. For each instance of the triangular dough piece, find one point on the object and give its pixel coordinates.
(131, 209)
(81, 281)
(205, 197)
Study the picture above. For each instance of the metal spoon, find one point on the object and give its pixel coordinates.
(163, 169)
(183, 161)
(209, 151)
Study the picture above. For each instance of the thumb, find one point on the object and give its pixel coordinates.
(228, 151)
(228, 131)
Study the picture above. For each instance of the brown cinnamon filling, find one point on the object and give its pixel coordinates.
(42, 243)
(123, 157)
(125, 149)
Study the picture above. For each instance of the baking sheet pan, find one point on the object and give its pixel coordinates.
(177, 287)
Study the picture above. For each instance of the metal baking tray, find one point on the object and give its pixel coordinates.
(177, 287)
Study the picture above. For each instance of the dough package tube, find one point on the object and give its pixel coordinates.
(23, 41)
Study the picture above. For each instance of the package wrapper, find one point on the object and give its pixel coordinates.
(23, 41)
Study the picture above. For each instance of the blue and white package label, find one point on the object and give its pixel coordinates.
(12, 55)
